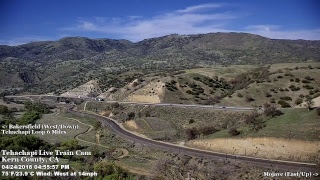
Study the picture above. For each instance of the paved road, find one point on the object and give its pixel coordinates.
(265, 163)
(117, 129)
(153, 104)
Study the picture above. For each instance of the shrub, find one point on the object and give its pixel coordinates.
(284, 104)
(239, 95)
(286, 98)
(191, 121)
(4, 109)
(234, 132)
(279, 77)
(294, 88)
(249, 98)
(271, 110)
(207, 130)
(311, 92)
(131, 115)
(318, 111)
(115, 105)
(173, 81)
(308, 86)
(298, 101)
(192, 133)
(268, 95)
(309, 78)
(305, 81)
(272, 100)
(189, 91)
(297, 80)
(254, 122)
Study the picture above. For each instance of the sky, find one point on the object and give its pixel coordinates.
(23, 21)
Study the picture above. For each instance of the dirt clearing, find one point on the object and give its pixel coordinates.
(131, 125)
(273, 148)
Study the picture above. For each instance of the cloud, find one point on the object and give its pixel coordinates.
(277, 32)
(23, 40)
(198, 19)
(200, 7)
(136, 28)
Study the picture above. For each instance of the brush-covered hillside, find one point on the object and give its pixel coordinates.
(284, 85)
(58, 66)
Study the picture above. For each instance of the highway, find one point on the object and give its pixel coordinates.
(151, 104)
(118, 129)
(260, 162)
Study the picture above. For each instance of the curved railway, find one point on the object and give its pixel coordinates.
(260, 162)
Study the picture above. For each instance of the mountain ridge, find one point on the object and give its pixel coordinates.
(80, 59)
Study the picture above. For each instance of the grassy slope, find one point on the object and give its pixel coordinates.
(296, 123)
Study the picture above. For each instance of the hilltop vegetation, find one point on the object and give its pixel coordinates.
(42, 67)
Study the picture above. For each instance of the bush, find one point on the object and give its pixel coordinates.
(298, 101)
(318, 111)
(4, 109)
(192, 133)
(305, 81)
(239, 95)
(234, 132)
(254, 122)
(207, 130)
(297, 80)
(272, 100)
(173, 81)
(308, 87)
(115, 105)
(268, 95)
(249, 98)
(284, 104)
(271, 110)
(189, 91)
(131, 115)
(294, 88)
(288, 74)
(286, 98)
(309, 78)
(191, 121)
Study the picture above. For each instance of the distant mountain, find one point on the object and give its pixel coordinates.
(71, 61)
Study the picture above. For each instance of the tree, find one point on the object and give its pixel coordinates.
(309, 103)
(4, 109)
(210, 101)
(131, 116)
(192, 133)
(271, 110)
(254, 122)
(97, 125)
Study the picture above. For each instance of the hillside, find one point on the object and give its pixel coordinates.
(42, 67)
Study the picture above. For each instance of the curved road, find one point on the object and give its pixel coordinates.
(265, 163)
(145, 103)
